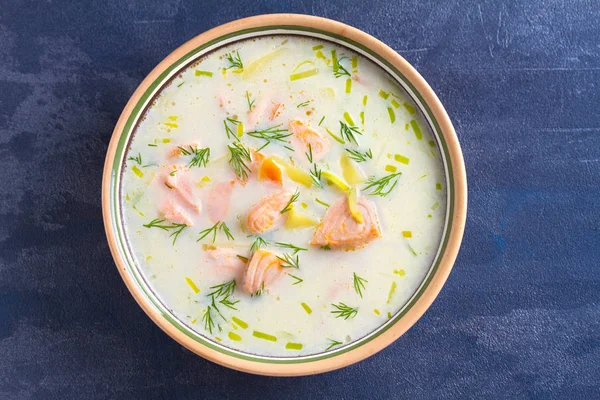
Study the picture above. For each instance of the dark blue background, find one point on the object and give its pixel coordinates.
(520, 314)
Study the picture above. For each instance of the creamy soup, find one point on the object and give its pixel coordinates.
(283, 196)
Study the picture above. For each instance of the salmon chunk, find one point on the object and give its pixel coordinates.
(263, 269)
(263, 215)
(218, 200)
(226, 257)
(304, 136)
(180, 184)
(266, 106)
(174, 213)
(340, 229)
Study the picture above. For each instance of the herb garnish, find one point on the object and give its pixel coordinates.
(239, 156)
(137, 159)
(289, 261)
(272, 134)
(295, 249)
(379, 186)
(228, 130)
(235, 61)
(358, 156)
(158, 223)
(303, 104)
(347, 132)
(315, 174)
(294, 198)
(333, 343)
(218, 226)
(309, 154)
(359, 284)
(221, 293)
(298, 280)
(199, 156)
(338, 68)
(250, 103)
(344, 311)
(259, 291)
(257, 244)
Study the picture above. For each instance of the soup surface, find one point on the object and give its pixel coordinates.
(283, 196)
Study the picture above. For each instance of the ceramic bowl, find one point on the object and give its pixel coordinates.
(415, 86)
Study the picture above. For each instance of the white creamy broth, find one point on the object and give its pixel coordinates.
(171, 198)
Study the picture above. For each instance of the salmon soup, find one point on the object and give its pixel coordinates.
(283, 196)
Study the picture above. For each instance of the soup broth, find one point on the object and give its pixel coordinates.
(283, 196)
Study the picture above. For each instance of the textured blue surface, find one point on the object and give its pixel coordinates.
(520, 314)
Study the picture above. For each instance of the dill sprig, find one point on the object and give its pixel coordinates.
(332, 344)
(250, 103)
(348, 132)
(207, 318)
(289, 261)
(218, 226)
(271, 134)
(359, 284)
(344, 311)
(228, 129)
(326, 247)
(223, 290)
(298, 280)
(158, 223)
(257, 244)
(199, 156)
(315, 174)
(235, 61)
(303, 104)
(340, 70)
(309, 154)
(137, 159)
(238, 159)
(295, 249)
(380, 186)
(288, 206)
(259, 291)
(358, 156)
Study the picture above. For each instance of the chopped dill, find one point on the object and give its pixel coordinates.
(228, 129)
(223, 290)
(326, 247)
(137, 159)
(359, 284)
(158, 223)
(238, 160)
(358, 156)
(250, 103)
(344, 311)
(172, 173)
(271, 134)
(288, 206)
(380, 186)
(207, 318)
(321, 202)
(152, 145)
(180, 84)
(295, 249)
(199, 156)
(309, 155)
(218, 226)
(235, 61)
(303, 104)
(348, 132)
(289, 261)
(259, 291)
(244, 259)
(321, 121)
(257, 244)
(297, 280)
(338, 68)
(315, 174)
(332, 344)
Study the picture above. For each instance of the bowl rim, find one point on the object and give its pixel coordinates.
(456, 183)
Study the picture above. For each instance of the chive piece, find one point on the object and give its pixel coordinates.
(321, 202)
(192, 285)
(431, 143)
(376, 311)
(389, 314)
(391, 168)
(265, 336)
(407, 234)
(137, 171)
(180, 84)
(321, 121)
(334, 60)
(354, 61)
(409, 108)
(362, 117)
(172, 117)
(203, 73)
(384, 95)
(365, 100)
(152, 145)
(405, 127)
(171, 125)
(392, 114)
(239, 322)
(412, 250)
(435, 205)
(166, 140)
(234, 336)
(417, 130)
(348, 119)
(402, 272)
(306, 308)
(304, 74)
(391, 293)
(401, 159)
(335, 137)
(429, 216)
(438, 186)
(348, 85)
(318, 47)
(320, 55)
(293, 346)
(395, 103)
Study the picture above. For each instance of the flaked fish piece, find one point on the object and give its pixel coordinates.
(339, 229)
(179, 183)
(303, 136)
(218, 201)
(267, 212)
(173, 212)
(263, 269)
